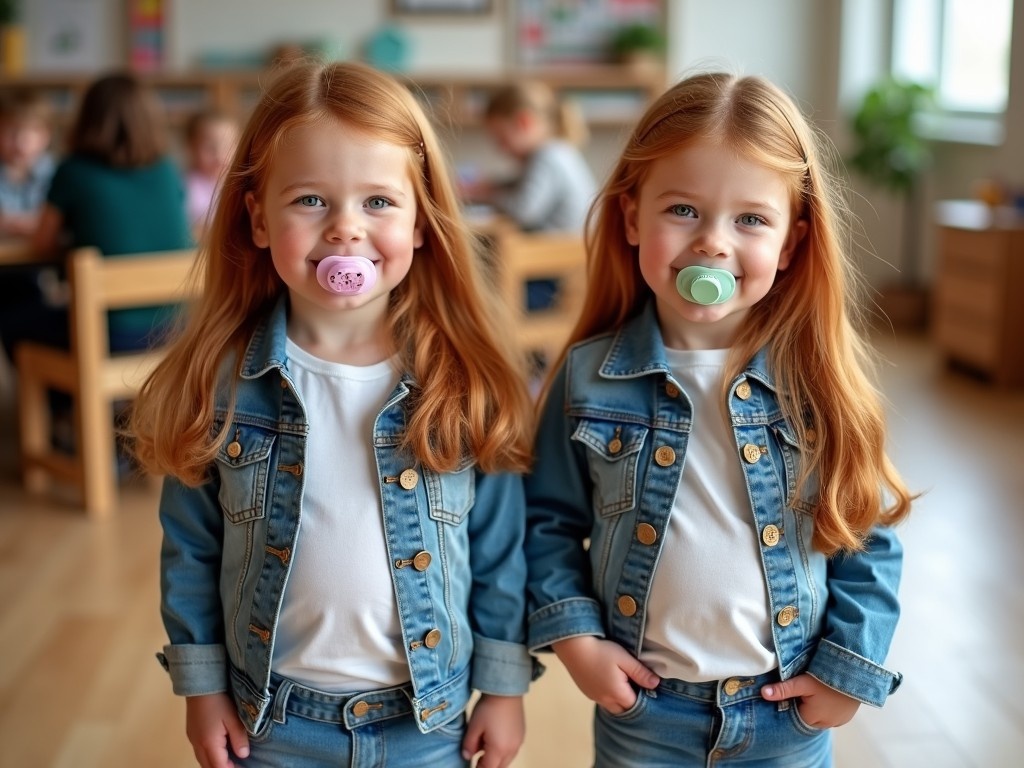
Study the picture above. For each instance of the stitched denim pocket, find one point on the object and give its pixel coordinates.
(244, 464)
(451, 495)
(612, 453)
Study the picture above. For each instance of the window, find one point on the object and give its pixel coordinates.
(960, 47)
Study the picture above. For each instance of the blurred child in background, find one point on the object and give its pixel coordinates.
(210, 138)
(26, 165)
(554, 186)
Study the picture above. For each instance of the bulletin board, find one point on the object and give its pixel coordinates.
(554, 32)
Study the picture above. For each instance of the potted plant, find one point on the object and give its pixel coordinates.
(890, 153)
(640, 45)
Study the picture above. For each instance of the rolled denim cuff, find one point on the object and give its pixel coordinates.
(196, 670)
(574, 617)
(500, 668)
(853, 675)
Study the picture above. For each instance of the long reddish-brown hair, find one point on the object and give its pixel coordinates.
(469, 402)
(820, 360)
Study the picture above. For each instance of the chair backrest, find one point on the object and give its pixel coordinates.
(100, 284)
(539, 255)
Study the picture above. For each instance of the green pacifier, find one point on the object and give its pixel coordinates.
(705, 285)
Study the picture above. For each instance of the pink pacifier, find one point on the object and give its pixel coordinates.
(347, 275)
(705, 285)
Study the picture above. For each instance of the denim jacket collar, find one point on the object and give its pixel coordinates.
(638, 349)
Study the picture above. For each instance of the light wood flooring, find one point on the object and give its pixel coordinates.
(79, 621)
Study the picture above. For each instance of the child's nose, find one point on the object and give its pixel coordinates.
(345, 225)
(711, 240)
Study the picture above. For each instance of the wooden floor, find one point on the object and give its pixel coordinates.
(80, 623)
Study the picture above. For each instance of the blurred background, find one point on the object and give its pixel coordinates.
(924, 102)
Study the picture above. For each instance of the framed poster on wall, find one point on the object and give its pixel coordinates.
(567, 32)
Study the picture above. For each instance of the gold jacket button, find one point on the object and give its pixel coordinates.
(433, 638)
(614, 445)
(811, 436)
(787, 616)
(408, 479)
(732, 685)
(665, 456)
(627, 605)
(646, 534)
(751, 453)
(421, 561)
(671, 390)
(360, 708)
(235, 449)
(743, 390)
(771, 535)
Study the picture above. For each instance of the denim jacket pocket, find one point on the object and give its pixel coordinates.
(612, 453)
(244, 464)
(451, 495)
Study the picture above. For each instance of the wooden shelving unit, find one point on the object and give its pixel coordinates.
(607, 95)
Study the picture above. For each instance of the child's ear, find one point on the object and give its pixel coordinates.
(418, 237)
(629, 218)
(796, 233)
(257, 221)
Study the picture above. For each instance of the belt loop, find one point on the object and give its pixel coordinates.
(281, 701)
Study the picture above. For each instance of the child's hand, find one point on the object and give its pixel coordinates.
(819, 706)
(496, 727)
(212, 724)
(603, 669)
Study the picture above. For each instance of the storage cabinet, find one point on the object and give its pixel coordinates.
(978, 307)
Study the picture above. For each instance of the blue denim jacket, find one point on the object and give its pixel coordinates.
(227, 552)
(611, 447)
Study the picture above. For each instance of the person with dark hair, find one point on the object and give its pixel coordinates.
(117, 189)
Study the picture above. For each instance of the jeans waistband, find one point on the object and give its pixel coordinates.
(350, 709)
(723, 692)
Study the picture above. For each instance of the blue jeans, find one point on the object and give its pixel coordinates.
(310, 728)
(723, 723)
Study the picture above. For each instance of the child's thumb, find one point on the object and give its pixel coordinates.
(238, 738)
(640, 674)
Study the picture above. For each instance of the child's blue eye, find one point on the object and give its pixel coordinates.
(378, 203)
(751, 220)
(680, 209)
(309, 201)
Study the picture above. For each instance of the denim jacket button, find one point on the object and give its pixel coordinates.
(770, 535)
(751, 453)
(787, 616)
(627, 605)
(421, 561)
(646, 534)
(433, 638)
(234, 449)
(665, 456)
(743, 390)
(408, 479)
(671, 390)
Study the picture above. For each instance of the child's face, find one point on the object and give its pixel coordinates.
(707, 206)
(336, 190)
(213, 146)
(517, 135)
(23, 141)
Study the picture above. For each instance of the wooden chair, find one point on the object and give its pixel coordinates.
(87, 371)
(524, 256)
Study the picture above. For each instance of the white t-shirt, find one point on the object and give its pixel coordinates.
(708, 616)
(339, 629)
